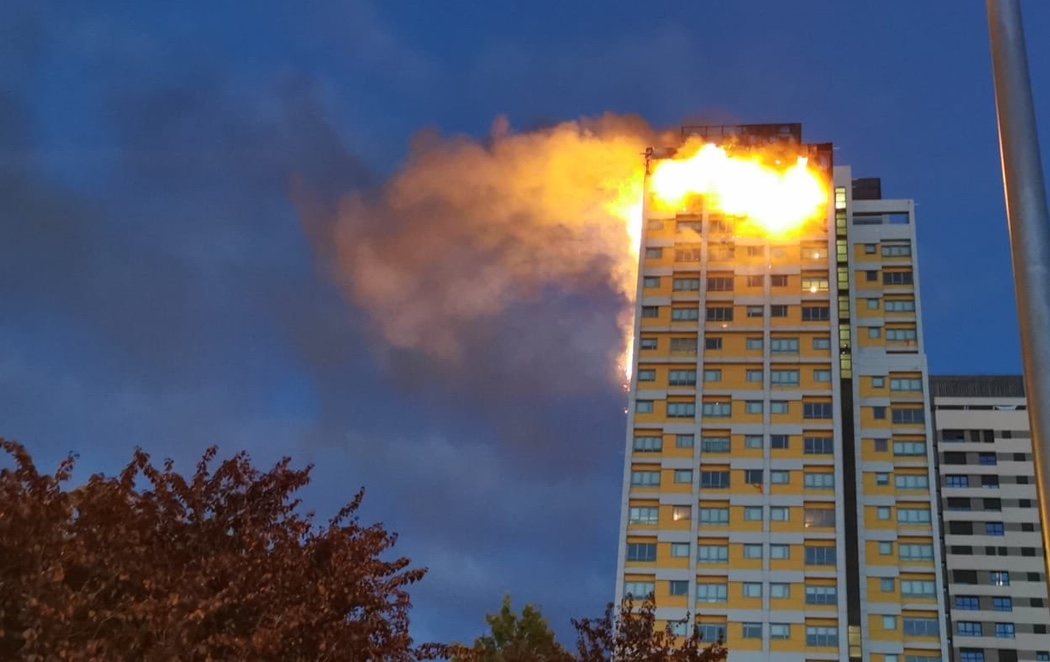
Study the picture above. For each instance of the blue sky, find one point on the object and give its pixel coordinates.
(157, 287)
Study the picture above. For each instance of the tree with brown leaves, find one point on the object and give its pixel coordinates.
(630, 635)
(149, 565)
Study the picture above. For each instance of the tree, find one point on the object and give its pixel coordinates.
(527, 638)
(149, 565)
(627, 635)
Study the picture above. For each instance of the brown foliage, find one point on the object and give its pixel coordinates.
(149, 565)
(629, 635)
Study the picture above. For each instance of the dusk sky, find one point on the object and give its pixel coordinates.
(162, 284)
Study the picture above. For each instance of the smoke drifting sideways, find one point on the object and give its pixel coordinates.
(519, 252)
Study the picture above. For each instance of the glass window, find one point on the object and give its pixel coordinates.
(643, 406)
(637, 551)
(648, 444)
(638, 590)
(753, 513)
(753, 551)
(779, 630)
(644, 515)
(778, 407)
(645, 478)
(718, 479)
(779, 552)
(753, 441)
(820, 555)
(680, 550)
(683, 441)
(715, 444)
(779, 591)
(752, 590)
(678, 587)
(889, 622)
(754, 344)
(751, 630)
(711, 593)
(778, 514)
(779, 477)
(683, 476)
(713, 554)
(754, 406)
(822, 636)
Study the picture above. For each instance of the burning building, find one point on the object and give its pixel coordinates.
(779, 482)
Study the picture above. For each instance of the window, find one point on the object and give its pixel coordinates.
(679, 628)
(638, 590)
(815, 313)
(779, 552)
(1004, 630)
(778, 281)
(681, 409)
(753, 513)
(711, 343)
(778, 310)
(916, 552)
(683, 441)
(900, 305)
(882, 445)
(987, 459)
(906, 385)
(901, 335)
(715, 480)
(784, 377)
(753, 476)
(909, 416)
(882, 479)
(909, 448)
(869, 249)
(871, 275)
(680, 550)
(714, 515)
(887, 585)
(719, 313)
(896, 250)
(713, 554)
(912, 482)
(711, 632)
(647, 375)
(683, 346)
(878, 413)
(644, 515)
(1003, 604)
(897, 277)
(822, 636)
(921, 627)
(819, 517)
(779, 591)
(822, 376)
(820, 555)
(878, 382)
(711, 593)
(687, 255)
(751, 630)
(821, 343)
(753, 441)
(953, 480)
(889, 622)
(754, 344)
(643, 406)
(752, 590)
(886, 548)
(753, 281)
(918, 588)
(783, 345)
(778, 514)
(814, 284)
(650, 312)
(971, 655)
(654, 253)
(913, 515)
(753, 551)
(648, 343)
(678, 587)
(883, 512)
(753, 406)
(967, 602)
(648, 444)
(816, 410)
(874, 332)
(778, 407)
(779, 630)
(683, 476)
(651, 282)
(717, 409)
(686, 285)
(645, 478)
(685, 314)
(822, 595)
(754, 311)
(715, 444)
(873, 304)
(818, 445)
(994, 529)
(641, 551)
(779, 477)
(688, 377)
(821, 481)
(681, 513)
(754, 376)
(778, 441)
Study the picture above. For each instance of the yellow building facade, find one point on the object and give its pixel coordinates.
(779, 489)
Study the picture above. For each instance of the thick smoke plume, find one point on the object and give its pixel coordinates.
(468, 230)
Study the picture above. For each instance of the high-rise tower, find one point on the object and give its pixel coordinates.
(779, 480)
